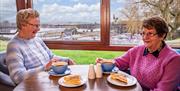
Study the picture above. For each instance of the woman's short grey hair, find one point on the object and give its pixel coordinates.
(24, 15)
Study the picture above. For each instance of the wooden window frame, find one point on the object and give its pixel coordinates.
(103, 44)
(23, 4)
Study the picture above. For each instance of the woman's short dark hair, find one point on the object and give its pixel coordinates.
(158, 24)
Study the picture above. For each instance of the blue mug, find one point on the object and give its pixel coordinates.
(59, 67)
(107, 67)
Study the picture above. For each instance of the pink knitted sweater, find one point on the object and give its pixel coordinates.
(160, 73)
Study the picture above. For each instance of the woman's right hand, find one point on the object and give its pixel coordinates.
(102, 60)
(99, 60)
(49, 64)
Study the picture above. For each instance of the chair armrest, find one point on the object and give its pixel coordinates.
(3, 66)
(5, 79)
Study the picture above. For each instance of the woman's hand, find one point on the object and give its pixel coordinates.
(55, 59)
(99, 60)
(49, 64)
(102, 60)
(71, 62)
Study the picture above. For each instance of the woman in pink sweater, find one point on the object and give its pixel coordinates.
(155, 65)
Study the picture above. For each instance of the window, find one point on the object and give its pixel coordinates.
(127, 15)
(73, 24)
(7, 21)
(69, 20)
(94, 24)
(124, 25)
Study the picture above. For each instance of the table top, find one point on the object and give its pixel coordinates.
(44, 82)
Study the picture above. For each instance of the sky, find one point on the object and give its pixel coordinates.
(7, 10)
(62, 11)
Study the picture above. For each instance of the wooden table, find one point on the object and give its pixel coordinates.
(44, 82)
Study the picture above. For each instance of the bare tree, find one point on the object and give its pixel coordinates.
(168, 9)
(131, 12)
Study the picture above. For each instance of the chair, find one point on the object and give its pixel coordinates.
(178, 51)
(3, 66)
(6, 84)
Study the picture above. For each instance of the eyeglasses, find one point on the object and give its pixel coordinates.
(35, 25)
(148, 34)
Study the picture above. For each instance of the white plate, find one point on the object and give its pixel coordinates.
(131, 80)
(61, 82)
(51, 72)
(115, 69)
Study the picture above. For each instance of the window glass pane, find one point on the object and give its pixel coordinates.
(120, 33)
(127, 17)
(87, 57)
(77, 20)
(7, 21)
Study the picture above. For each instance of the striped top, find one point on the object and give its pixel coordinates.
(160, 73)
(26, 57)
